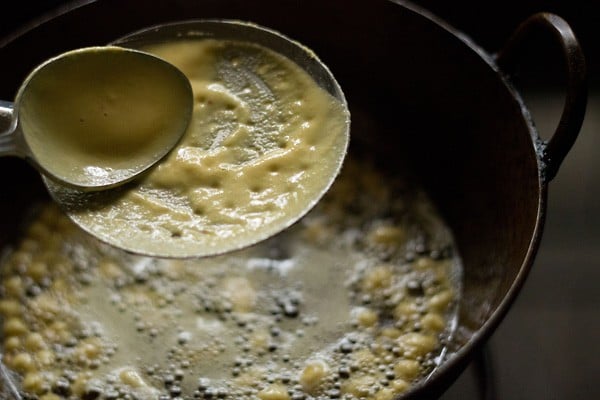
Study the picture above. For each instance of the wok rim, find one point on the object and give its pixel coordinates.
(458, 361)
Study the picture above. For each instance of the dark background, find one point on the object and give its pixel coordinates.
(548, 346)
(489, 22)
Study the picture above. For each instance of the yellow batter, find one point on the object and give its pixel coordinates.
(263, 145)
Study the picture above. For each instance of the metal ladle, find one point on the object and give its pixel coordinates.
(112, 215)
(75, 116)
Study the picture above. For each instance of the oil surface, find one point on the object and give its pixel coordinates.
(356, 301)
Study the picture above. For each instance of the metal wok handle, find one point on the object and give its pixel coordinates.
(554, 150)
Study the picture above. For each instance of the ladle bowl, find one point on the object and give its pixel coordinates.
(97, 117)
(194, 236)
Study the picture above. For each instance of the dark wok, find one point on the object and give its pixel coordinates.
(418, 90)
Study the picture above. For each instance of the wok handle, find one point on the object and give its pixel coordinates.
(554, 150)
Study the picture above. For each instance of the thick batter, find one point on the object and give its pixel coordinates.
(264, 144)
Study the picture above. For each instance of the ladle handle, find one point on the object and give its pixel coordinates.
(8, 136)
(554, 150)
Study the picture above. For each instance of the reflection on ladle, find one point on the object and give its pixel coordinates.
(97, 117)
